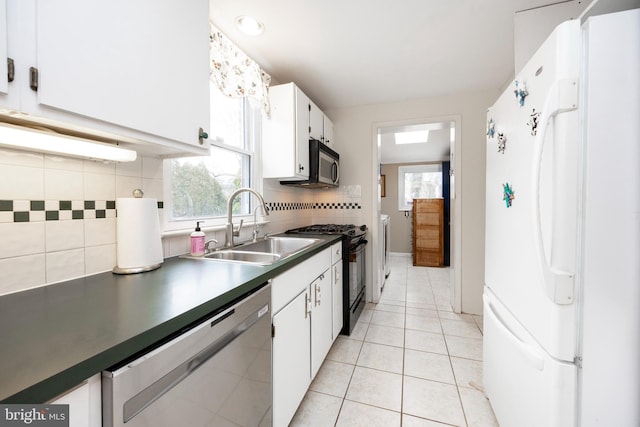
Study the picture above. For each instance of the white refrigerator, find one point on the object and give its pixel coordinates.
(562, 270)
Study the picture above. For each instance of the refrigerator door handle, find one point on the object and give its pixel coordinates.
(531, 354)
(563, 97)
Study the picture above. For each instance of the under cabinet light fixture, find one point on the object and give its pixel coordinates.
(249, 25)
(25, 138)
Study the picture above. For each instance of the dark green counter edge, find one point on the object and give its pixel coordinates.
(54, 386)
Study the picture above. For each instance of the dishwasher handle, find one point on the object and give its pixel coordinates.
(146, 397)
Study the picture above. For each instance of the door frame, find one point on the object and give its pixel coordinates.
(456, 206)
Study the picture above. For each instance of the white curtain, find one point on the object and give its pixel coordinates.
(235, 74)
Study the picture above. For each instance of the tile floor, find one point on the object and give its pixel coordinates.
(409, 362)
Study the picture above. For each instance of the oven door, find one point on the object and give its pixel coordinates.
(357, 270)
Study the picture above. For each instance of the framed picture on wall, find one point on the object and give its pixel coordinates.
(383, 186)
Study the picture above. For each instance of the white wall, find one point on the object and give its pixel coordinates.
(354, 128)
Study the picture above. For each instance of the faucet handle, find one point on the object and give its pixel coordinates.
(236, 232)
(207, 243)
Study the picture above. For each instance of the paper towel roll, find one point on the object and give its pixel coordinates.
(138, 246)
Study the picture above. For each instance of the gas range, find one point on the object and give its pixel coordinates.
(349, 230)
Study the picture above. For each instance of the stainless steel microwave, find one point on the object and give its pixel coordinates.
(324, 167)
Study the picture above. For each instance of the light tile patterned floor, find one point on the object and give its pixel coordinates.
(409, 362)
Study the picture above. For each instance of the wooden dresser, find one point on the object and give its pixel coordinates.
(428, 232)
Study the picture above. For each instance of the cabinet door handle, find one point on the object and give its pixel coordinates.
(317, 295)
(307, 301)
(202, 135)
(33, 78)
(11, 70)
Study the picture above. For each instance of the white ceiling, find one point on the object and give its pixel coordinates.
(436, 148)
(344, 53)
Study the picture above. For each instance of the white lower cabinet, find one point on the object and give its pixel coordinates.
(85, 403)
(321, 320)
(337, 289)
(337, 299)
(303, 331)
(291, 354)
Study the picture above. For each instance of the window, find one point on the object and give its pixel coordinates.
(418, 182)
(197, 188)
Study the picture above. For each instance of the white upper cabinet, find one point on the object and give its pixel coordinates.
(285, 140)
(125, 67)
(316, 119)
(4, 57)
(295, 119)
(327, 132)
(320, 126)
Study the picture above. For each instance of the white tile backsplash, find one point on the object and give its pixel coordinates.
(63, 185)
(152, 168)
(100, 258)
(22, 272)
(21, 182)
(126, 184)
(64, 235)
(133, 169)
(21, 238)
(65, 265)
(99, 186)
(50, 243)
(100, 231)
(21, 158)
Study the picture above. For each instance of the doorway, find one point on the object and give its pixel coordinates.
(430, 141)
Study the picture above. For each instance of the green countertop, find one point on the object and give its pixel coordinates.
(56, 336)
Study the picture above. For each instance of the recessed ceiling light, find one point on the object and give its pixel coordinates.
(413, 137)
(249, 25)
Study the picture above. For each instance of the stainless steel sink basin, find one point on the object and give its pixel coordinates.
(277, 245)
(241, 256)
(264, 251)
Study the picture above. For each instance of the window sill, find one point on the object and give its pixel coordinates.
(216, 227)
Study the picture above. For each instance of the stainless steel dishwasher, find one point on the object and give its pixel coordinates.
(215, 373)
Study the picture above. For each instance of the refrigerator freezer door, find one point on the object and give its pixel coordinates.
(530, 245)
(611, 267)
(526, 386)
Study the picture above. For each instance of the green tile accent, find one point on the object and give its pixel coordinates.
(65, 205)
(160, 204)
(89, 204)
(52, 215)
(21, 217)
(6, 205)
(37, 205)
(111, 204)
(101, 213)
(77, 214)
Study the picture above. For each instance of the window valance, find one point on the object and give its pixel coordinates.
(235, 73)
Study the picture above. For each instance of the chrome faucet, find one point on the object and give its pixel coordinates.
(230, 231)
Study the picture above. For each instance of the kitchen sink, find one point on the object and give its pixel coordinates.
(277, 245)
(264, 251)
(241, 256)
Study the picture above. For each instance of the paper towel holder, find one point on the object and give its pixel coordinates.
(137, 194)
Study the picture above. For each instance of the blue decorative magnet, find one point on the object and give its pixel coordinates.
(491, 128)
(509, 195)
(502, 142)
(533, 122)
(521, 93)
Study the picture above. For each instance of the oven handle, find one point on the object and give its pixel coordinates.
(358, 247)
